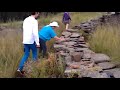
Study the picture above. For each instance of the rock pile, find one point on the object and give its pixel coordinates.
(80, 60)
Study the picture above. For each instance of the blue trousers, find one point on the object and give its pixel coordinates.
(27, 48)
(43, 47)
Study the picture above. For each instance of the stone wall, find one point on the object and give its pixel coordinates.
(79, 59)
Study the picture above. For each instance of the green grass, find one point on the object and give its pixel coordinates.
(107, 40)
(12, 48)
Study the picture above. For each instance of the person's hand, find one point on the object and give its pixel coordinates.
(62, 39)
(38, 46)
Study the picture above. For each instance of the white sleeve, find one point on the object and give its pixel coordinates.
(35, 32)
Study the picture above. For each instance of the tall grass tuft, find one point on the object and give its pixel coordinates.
(47, 68)
(10, 53)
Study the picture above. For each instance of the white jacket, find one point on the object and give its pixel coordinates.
(30, 31)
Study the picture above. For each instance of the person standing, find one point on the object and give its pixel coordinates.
(66, 19)
(30, 39)
(46, 34)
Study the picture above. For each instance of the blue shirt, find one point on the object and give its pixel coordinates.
(46, 33)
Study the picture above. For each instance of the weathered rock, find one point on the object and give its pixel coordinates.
(70, 49)
(75, 35)
(80, 49)
(86, 56)
(76, 56)
(66, 34)
(68, 60)
(72, 30)
(83, 45)
(96, 74)
(69, 43)
(58, 46)
(106, 65)
(73, 39)
(81, 39)
(115, 73)
(98, 58)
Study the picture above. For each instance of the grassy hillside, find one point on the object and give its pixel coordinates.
(11, 47)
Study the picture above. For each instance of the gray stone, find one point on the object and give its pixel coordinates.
(106, 65)
(96, 74)
(115, 73)
(58, 46)
(76, 56)
(98, 58)
(68, 60)
(112, 70)
(86, 56)
(73, 39)
(69, 43)
(83, 45)
(81, 39)
(75, 35)
(80, 49)
(70, 49)
(72, 30)
(66, 34)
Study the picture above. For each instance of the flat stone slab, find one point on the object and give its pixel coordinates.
(80, 49)
(113, 72)
(69, 43)
(66, 34)
(72, 30)
(98, 58)
(58, 46)
(106, 65)
(75, 35)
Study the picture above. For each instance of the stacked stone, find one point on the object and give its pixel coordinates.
(80, 60)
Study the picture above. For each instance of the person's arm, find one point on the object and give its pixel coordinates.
(35, 33)
(54, 35)
(59, 39)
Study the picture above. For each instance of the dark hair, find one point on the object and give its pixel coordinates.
(33, 13)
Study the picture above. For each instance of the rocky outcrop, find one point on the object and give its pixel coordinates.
(80, 60)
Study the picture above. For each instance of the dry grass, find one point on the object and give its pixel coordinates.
(107, 40)
(50, 68)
